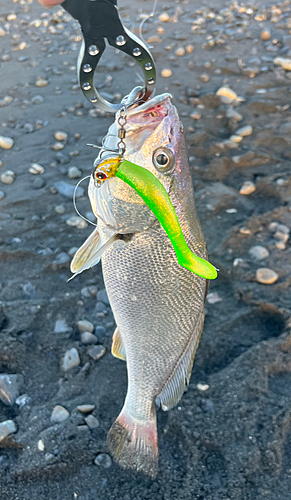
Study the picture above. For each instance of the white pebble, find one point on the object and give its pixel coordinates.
(59, 414)
(8, 177)
(58, 146)
(166, 73)
(86, 408)
(40, 445)
(164, 17)
(36, 169)
(284, 62)
(266, 276)
(213, 298)
(248, 187)
(202, 387)
(258, 252)
(245, 131)
(77, 222)
(71, 359)
(6, 142)
(236, 138)
(85, 326)
(41, 82)
(6, 428)
(88, 338)
(74, 173)
(60, 136)
(226, 95)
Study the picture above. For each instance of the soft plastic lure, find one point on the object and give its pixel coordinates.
(152, 191)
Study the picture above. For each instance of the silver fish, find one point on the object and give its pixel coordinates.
(158, 305)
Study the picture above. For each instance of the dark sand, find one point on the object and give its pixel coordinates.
(233, 440)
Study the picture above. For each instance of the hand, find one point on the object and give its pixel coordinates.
(50, 3)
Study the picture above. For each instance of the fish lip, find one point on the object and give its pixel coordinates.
(149, 106)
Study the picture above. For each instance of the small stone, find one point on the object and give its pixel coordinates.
(6, 142)
(180, 51)
(258, 252)
(9, 388)
(213, 298)
(103, 297)
(103, 460)
(92, 422)
(244, 131)
(74, 173)
(6, 428)
(248, 187)
(58, 146)
(283, 62)
(227, 95)
(41, 82)
(36, 169)
(195, 115)
(61, 136)
(61, 326)
(234, 115)
(284, 237)
(280, 245)
(88, 338)
(40, 445)
(164, 17)
(60, 209)
(86, 408)
(97, 352)
(265, 35)
(166, 73)
(282, 228)
(202, 387)
(85, 326)
(71, 359)
(59, 414)
(8, 177)
(76, 221)
(273, 226)
(38, 183)
(266, 276)
(37, 99)
(2, 195)
(189, 48)
(67, 190)
(100, 331)
(204, 78)
(235, 138)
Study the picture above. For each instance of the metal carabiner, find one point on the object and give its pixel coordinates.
(99, 19)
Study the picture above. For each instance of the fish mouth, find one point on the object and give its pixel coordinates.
(150, 113)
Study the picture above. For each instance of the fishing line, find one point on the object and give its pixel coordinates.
(75, 205)
(145, 20)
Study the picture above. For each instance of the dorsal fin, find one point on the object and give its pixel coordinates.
(117, 348)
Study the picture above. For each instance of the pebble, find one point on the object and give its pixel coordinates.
(88, 338)
(235, 138)
(36, 169)
(38, 183)
(266, 276)
(234, 115)
(6, 142)
(258, 252)
(213, 298)
(9, 388)
(76, 221)
(58, 146)
(284, 237)
(85, 408)
(226, 95)
(97, 352)
(61, 136)
(164, 17)
(103, 297)
(6, 428)
(85, 326)
(60, 209)
(100, 331)
(189, 49)
(248, 187)
(37, 99)
(180, 51)
(74, 173)
(67, 190)
(8, 177)
(2, 195)
(204, 78)
(283, 62)
(244, 131)
(166, 73)
(265, 35)
(59, 414)
(40, 445)
(92, 422)
(202, 387)
(71, 359)
(103, 460)
(61, 326)
(41, 82)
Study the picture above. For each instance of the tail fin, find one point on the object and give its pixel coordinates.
(134, 443)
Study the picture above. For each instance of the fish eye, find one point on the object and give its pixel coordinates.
(101, 176)
(163, 159)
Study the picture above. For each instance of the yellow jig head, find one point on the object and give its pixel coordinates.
(156, 197)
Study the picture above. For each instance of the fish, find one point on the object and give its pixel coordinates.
(158, 305)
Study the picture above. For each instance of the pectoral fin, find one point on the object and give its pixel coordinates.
(90, 253)
(117, 348)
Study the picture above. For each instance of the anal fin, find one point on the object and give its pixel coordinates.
(175, 385)
(117, 348)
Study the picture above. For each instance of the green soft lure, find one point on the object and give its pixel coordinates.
(156, 197)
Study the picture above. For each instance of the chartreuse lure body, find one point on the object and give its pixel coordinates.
(156, 197)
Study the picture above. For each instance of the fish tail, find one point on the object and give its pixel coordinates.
(134, 443)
